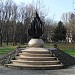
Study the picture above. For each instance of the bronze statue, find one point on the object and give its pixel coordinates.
(36, 28)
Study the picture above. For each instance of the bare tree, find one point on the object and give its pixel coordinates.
(1, 21)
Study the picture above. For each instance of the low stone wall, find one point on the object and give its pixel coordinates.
(5, 59)
(65, 58)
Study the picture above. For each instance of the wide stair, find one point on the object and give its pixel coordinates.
(36, 59)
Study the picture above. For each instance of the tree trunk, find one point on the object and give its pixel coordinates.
(7, 39)
(0, 37)
(1, 40)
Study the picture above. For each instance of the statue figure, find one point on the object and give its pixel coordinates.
(36, 28)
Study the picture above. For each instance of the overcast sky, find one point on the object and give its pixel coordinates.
(54, 8)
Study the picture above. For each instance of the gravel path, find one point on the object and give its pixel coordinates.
(9, 71)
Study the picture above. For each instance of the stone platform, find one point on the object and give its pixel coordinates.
(36, 58)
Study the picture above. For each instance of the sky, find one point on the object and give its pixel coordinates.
(53, 8)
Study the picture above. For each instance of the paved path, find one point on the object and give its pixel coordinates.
(9, 71)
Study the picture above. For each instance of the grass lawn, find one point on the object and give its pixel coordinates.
(6, 49)
(71, 52)
(68, 48)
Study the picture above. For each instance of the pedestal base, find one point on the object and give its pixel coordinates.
(36, 43)
(35, 58)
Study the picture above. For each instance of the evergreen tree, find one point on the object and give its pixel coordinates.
(59, 33)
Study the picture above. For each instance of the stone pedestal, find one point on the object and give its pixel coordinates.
(36, 43)
(36, 57)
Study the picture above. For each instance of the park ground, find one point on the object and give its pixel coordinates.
(66, 47)
(9, 71)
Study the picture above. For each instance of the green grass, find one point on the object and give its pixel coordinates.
(47, 45)
(71, 52)
(6, 49)
(68, 48)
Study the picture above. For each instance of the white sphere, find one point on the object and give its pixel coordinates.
(36, 43)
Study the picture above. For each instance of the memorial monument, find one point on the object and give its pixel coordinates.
(36, 56)
(36, 30)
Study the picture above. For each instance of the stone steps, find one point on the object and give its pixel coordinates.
(36, 52)
(35, 55)
(36, 62)
(25, 66)
(35, 58)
